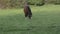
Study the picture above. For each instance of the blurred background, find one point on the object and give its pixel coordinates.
(20, 3)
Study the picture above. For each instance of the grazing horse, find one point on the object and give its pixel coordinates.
(27, 11)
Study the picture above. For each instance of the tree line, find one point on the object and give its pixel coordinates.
(20, 3)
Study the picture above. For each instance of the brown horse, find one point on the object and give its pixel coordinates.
(27, 11)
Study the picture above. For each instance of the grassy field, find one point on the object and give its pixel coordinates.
(45, 20)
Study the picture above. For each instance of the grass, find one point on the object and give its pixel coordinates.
(45, 20)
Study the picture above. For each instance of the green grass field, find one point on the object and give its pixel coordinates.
(45, 20)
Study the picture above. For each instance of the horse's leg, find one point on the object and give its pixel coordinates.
(26, 14)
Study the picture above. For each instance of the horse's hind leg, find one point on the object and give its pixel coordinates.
(30, 16)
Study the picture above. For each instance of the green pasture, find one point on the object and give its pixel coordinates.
(45, 20)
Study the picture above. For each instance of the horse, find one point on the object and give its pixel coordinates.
(27, 11)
